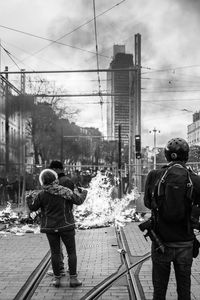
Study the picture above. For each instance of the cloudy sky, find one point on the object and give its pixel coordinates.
(59, 35)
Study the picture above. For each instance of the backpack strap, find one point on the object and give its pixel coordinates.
(162, 180)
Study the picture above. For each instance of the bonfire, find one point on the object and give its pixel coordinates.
(98, 210)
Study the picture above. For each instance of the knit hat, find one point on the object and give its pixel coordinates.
(47, 176)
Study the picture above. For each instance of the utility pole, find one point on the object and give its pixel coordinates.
(61, 143)
(137, 113)
(132, 107)
(21, 124)
(154, 145)
(7, 124)
(22, 131)
(119, 160)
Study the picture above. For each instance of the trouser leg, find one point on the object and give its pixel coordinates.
(160, 278)
(54, 242)
(68, 238)
(61, 256)
(161, 265)
(182, 267)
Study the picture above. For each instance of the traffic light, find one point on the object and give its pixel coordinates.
(138, 146)
(138, 155)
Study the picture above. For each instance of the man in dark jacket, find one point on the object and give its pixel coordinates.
(176, 237)
(57, 221)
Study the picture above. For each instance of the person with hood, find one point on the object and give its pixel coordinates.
(57, 221)
(64, 180)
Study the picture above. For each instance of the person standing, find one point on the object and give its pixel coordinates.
(177, 237)
(64, 180)
(57, 221)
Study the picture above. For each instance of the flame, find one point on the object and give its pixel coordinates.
(100, 209)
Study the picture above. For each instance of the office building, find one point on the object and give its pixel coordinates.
(118, 85)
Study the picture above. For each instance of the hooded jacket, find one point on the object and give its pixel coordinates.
(55, 202)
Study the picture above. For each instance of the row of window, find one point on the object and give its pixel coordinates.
(12, 133)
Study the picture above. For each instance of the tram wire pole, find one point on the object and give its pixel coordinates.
(154, 145)
(7, 124)
(119, 161)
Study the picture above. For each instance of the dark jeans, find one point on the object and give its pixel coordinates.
(182, 261)
(62, 266)
(68, 238)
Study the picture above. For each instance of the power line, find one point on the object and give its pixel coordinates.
(71, 71)
(10, 56)
(57, 41)
(80, 26)
(169, 69)
(80, 95)
(169, 91)
(50, 40)
(97, 58)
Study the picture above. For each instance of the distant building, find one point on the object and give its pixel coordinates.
(17, 139)
(118, 105)
(193, 130)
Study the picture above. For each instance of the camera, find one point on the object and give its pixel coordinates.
(148, 226)
(195, 223)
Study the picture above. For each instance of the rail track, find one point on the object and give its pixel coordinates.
(128, 270)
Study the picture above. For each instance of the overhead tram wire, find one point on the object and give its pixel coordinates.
(97, 58)
(80, 26)
(47, 39)
(57, 40)
(10, 56)
(70, 71)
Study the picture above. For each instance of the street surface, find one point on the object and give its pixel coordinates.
(97, 259)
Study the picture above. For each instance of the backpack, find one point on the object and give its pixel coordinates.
(174, 194)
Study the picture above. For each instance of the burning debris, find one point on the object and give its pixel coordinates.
(18, 222)
(100, 209)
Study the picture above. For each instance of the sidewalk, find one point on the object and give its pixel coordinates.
(138, 247)
(19, 256)
(97, 259)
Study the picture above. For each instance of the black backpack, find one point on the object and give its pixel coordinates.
(173, 194)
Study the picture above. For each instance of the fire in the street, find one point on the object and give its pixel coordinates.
(100, 209)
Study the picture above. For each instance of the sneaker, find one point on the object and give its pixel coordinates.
(56, 282)
(62, 272)
(50, 273)
(74, 282)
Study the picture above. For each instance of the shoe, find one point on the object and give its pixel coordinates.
(56, 282)
(74, 282)
(62, 273)
(50, 273)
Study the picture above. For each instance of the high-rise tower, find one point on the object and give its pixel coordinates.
(118, 105)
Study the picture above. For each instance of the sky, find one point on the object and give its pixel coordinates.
(60, 35)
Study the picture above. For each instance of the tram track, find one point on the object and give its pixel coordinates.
(131, 273)
(127, 270)
(28, 289)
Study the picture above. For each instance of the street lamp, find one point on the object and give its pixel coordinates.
(155, 131)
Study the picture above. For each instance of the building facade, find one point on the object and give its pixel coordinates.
(118, 82)
(15, 134)
(193, 130)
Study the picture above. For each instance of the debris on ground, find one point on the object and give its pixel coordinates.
(98, 210)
